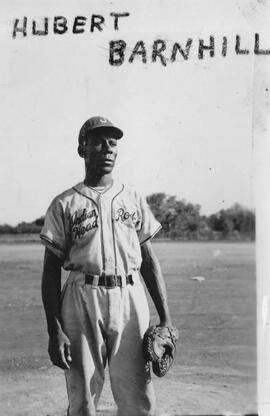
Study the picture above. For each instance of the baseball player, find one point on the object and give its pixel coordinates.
(100, 230)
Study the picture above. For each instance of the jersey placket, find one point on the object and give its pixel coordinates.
(101, 234)
(106, 232)
(113, 229)
(114, 243)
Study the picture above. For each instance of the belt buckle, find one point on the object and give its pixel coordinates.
(110, 281)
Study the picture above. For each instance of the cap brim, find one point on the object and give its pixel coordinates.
(112, 130)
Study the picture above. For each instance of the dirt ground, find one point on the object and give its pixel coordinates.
(215, 369)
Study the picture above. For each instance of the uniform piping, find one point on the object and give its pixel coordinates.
(152, 235)
(113, 232)
(86, 196)
(102, 239)
(52, 243)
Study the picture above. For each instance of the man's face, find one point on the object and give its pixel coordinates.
(100, 153)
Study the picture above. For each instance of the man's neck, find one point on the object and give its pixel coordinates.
(94, 180)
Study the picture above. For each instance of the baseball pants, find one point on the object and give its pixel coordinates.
(106, 325)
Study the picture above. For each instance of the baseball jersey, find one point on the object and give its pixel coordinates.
(99, 232)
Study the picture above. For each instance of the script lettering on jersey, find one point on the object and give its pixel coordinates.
(79, 217)
(122, 215)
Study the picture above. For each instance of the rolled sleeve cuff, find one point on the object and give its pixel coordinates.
(145, 238)
(52, 246)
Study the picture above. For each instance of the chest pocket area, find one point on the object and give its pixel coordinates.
(84, 221)
(127, 216)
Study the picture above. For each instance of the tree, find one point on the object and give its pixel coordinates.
(40, 221)
(179, 219)
(236, 219)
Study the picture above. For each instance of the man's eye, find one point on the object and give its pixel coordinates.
(97, 142)
(112, 142)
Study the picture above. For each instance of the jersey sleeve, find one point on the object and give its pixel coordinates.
(148, 226)
(53, 234)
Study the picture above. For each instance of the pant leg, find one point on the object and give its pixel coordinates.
(130, 379)
(82, 321)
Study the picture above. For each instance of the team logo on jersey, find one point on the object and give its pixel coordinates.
(124, 216)
(78, 226)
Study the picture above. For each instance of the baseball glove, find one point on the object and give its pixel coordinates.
(159, 346)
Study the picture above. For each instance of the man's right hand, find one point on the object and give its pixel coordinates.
(59, 351)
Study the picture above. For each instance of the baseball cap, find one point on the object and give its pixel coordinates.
(99, 123)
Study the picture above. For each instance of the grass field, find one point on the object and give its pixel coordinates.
(215, 367)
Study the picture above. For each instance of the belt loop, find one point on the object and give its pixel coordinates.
(131, 279)
(123, 280)
(95, 280)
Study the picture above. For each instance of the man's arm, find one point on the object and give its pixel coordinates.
(152, 275)
(59, 345)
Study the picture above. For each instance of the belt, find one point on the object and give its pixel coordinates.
(108, 280)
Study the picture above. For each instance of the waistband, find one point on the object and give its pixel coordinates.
(107, 281)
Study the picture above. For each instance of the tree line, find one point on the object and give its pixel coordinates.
(180, 220)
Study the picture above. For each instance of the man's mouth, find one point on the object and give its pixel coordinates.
(108, 160)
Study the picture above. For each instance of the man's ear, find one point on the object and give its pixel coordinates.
(81, 149)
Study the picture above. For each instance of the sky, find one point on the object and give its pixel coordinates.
(188, 127)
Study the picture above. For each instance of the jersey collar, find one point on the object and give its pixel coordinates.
(92, 193)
